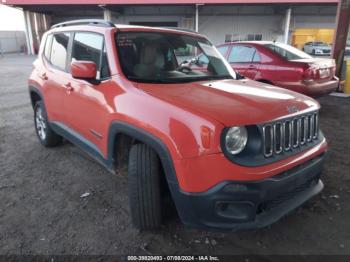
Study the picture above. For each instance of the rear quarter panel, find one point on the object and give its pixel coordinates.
(278, 71)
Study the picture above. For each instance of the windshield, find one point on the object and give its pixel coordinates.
(288, 52)
(165, 58)
(320, 44)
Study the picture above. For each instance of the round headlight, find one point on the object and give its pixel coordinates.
(236, 139)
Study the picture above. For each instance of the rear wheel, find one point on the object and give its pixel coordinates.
(44, 132)
(144, 187)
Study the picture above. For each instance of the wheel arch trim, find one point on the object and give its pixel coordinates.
(183, 207)
(34, 89)
(120, 127)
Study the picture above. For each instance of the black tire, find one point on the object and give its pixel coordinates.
(50, 138)
(144, 187)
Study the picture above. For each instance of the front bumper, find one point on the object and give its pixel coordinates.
(246, 205)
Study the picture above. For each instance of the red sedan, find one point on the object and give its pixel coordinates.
(282, 65)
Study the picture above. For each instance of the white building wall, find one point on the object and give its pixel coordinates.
(303, 21)
(216, 28)
(238, 21)
(12, 42)
(220, 21)
(153, 18)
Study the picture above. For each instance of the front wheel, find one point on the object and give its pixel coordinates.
(144, 187)
(44, 132)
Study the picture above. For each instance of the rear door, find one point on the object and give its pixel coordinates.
(55, 74)
(85, 104)
(245, 60)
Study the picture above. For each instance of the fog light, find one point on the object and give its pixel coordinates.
(236, 210)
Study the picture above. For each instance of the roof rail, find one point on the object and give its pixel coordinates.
(181, 29)
(99, 22)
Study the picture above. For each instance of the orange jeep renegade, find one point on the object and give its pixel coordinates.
(232, 153)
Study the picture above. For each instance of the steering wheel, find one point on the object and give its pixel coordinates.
(184, 69)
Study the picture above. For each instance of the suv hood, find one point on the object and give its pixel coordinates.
(233, 102)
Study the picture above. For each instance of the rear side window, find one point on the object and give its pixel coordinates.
(90, 47)
(243, 54)
(59, 50)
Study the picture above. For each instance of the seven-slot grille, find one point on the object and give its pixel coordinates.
(285, 135)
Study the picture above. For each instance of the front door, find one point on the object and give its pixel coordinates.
(85, 103)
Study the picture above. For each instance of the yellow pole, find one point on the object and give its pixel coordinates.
(347, 78)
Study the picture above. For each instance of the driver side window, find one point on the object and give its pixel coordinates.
(90, 47)
(203, 60)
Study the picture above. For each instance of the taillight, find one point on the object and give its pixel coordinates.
(333, 69)
(309, 74)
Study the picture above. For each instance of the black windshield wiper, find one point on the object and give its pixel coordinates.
(178, 80)
(219, 77)
(145, 80)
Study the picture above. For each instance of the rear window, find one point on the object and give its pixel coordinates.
(287, 52)
(59, 50)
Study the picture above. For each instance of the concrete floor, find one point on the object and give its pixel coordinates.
(42, 211)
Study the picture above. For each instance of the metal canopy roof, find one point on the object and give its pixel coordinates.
(160, 2)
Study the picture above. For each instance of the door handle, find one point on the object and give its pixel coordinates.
(43, 76)
(252, 67)
(68, 87)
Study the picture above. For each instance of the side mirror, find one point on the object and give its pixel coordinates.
(195, 60)
(184, 62)
(85, 70)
